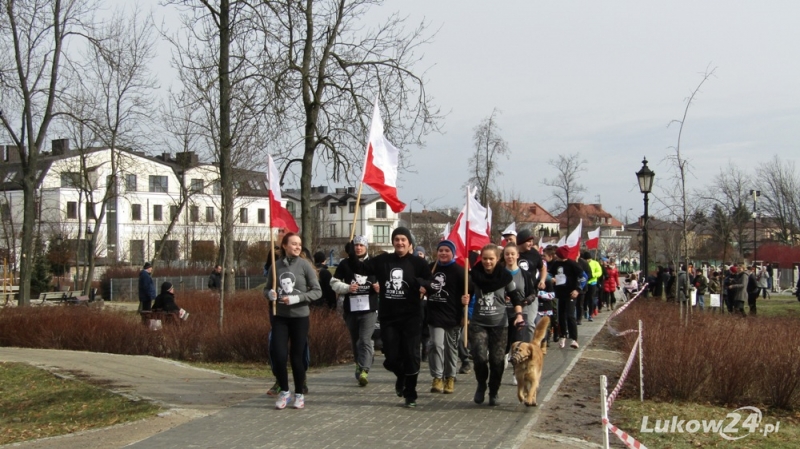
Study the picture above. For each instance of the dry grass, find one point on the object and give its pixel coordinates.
(243, 338)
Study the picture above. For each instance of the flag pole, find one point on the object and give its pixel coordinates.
(466, 268)
(274, 268)
(355, 215)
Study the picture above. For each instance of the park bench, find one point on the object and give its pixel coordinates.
(165, 317)
(9, 295)
(72, 298)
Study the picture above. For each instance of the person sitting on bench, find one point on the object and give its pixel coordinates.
(165, 302)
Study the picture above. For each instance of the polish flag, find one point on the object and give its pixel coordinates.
(380, 164)
(279, 216)
(446, 231)
(477, 235)
(594, 239)
(541, 244)
(573, 242)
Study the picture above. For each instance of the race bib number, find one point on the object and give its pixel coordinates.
(561, 279)
(359, 303)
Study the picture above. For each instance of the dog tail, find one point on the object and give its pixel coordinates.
(540, 331)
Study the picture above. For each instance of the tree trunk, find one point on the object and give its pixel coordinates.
(26, 256)
(225, 144)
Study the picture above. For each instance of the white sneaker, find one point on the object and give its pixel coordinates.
(574, 344)
(299, 401)
(505, 361)
(514, 380)
(562, 342)
(283, 399)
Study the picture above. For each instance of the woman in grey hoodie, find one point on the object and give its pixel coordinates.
(297, 287)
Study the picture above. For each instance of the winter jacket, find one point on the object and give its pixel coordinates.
(328, 295)
(215, 281)
(341, 281)
(612, 278)
(297, 279)
(147, 288)
(596, 272)
(701, 284)
(737, 288)
(165, 302)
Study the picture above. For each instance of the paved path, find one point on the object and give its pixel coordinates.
(338, 413)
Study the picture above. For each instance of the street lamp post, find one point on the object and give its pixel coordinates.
(756, 194)
(645, 177)
(59, 241)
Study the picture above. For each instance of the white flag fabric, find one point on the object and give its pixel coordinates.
(380, 164)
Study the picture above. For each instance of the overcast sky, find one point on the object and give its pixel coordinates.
(605, 79)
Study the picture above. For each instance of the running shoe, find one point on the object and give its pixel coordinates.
(363, 378)
(274, 390)
(299, 401)
(283, 399)
(562, 342)
(574, 344)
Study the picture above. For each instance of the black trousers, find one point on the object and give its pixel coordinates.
(588, 300)
(579, 306)
(751, 301)
(145, 304)
(488, 354)
(566, 318)
(401, 346)
(289, 340)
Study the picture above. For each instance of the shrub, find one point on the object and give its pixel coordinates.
(243, 337)
(725, 359)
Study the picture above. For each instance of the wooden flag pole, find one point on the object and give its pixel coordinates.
(466, 268)
(355, 215)
(274, 268)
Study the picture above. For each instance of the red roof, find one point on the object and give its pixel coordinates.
(592, 215)
(528, 213)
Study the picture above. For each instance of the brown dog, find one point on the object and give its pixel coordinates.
(528, 359)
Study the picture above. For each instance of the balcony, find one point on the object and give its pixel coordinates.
(382, 216)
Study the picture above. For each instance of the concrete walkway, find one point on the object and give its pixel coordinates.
(223, 411)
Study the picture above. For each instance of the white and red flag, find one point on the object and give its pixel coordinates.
(573, 242)
(380, 164)
(279, 216)
(594, 239)
(476, 236)
(446, 232)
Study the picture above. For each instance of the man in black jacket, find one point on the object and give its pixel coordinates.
(325, 276)
(215, 279)
(147, 289)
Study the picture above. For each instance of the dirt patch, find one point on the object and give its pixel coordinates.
(573, 413)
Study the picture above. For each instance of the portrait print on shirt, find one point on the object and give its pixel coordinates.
(438, 292)
(287, 282)
(523, 263)
(363, 283)
(396, 287)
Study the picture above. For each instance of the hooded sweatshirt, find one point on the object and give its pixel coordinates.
(444, 307)
(297, 279)
(488, 304)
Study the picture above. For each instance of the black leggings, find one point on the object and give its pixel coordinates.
(487, 354)
(284, 331)
(401, 346)
(566, 318)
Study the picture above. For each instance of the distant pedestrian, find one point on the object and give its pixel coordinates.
(165, 302)
(752, 289)
(147, 289)
(701, 285)
(566, 275)
(762, 280)
(215, 279)
(737, 288)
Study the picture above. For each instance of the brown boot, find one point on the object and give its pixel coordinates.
(449, 385)
(437, 385)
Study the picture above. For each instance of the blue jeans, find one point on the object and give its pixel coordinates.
(700, 301)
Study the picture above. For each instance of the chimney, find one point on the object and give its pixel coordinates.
(186, 158)
(341, 190)
(351, 190)
(165, 157)
(60, 146)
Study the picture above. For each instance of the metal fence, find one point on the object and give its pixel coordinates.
(127, 289)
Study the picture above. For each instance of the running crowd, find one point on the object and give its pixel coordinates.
(422, 308)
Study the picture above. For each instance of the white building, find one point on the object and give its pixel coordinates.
(334, 213)
(130, 217)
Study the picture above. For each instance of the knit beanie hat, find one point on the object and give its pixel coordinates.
(562, 252)
(166, 286)
(319, 257)
(360, 240)
(419, 249)
(448, 244)
(403, 231)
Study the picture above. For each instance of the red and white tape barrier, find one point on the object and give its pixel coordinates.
(624, 436)
(627, 303)
(624, 376)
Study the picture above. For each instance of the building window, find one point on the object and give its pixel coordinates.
(5, 212)
(217, 188)
(130, 183)
(136, 212)
(333, 230)
(351, 207)
(243, 215)
(169, 251)
(194, 214)
(332, 208)
(70, 179)
(381, 234)
(291, 208)
(380, 209)
(90, 211)
(72, 210)
(262, 216)
(173, 212)
(197, 186)
(157, 212)
(209, 214)
(137, 252)
(159, 184)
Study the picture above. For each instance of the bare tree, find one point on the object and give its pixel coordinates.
(489, 145)
(566, 186)
(727, 198)
(678, 205)
(780, 196)
(35, 32)
(326, 69)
